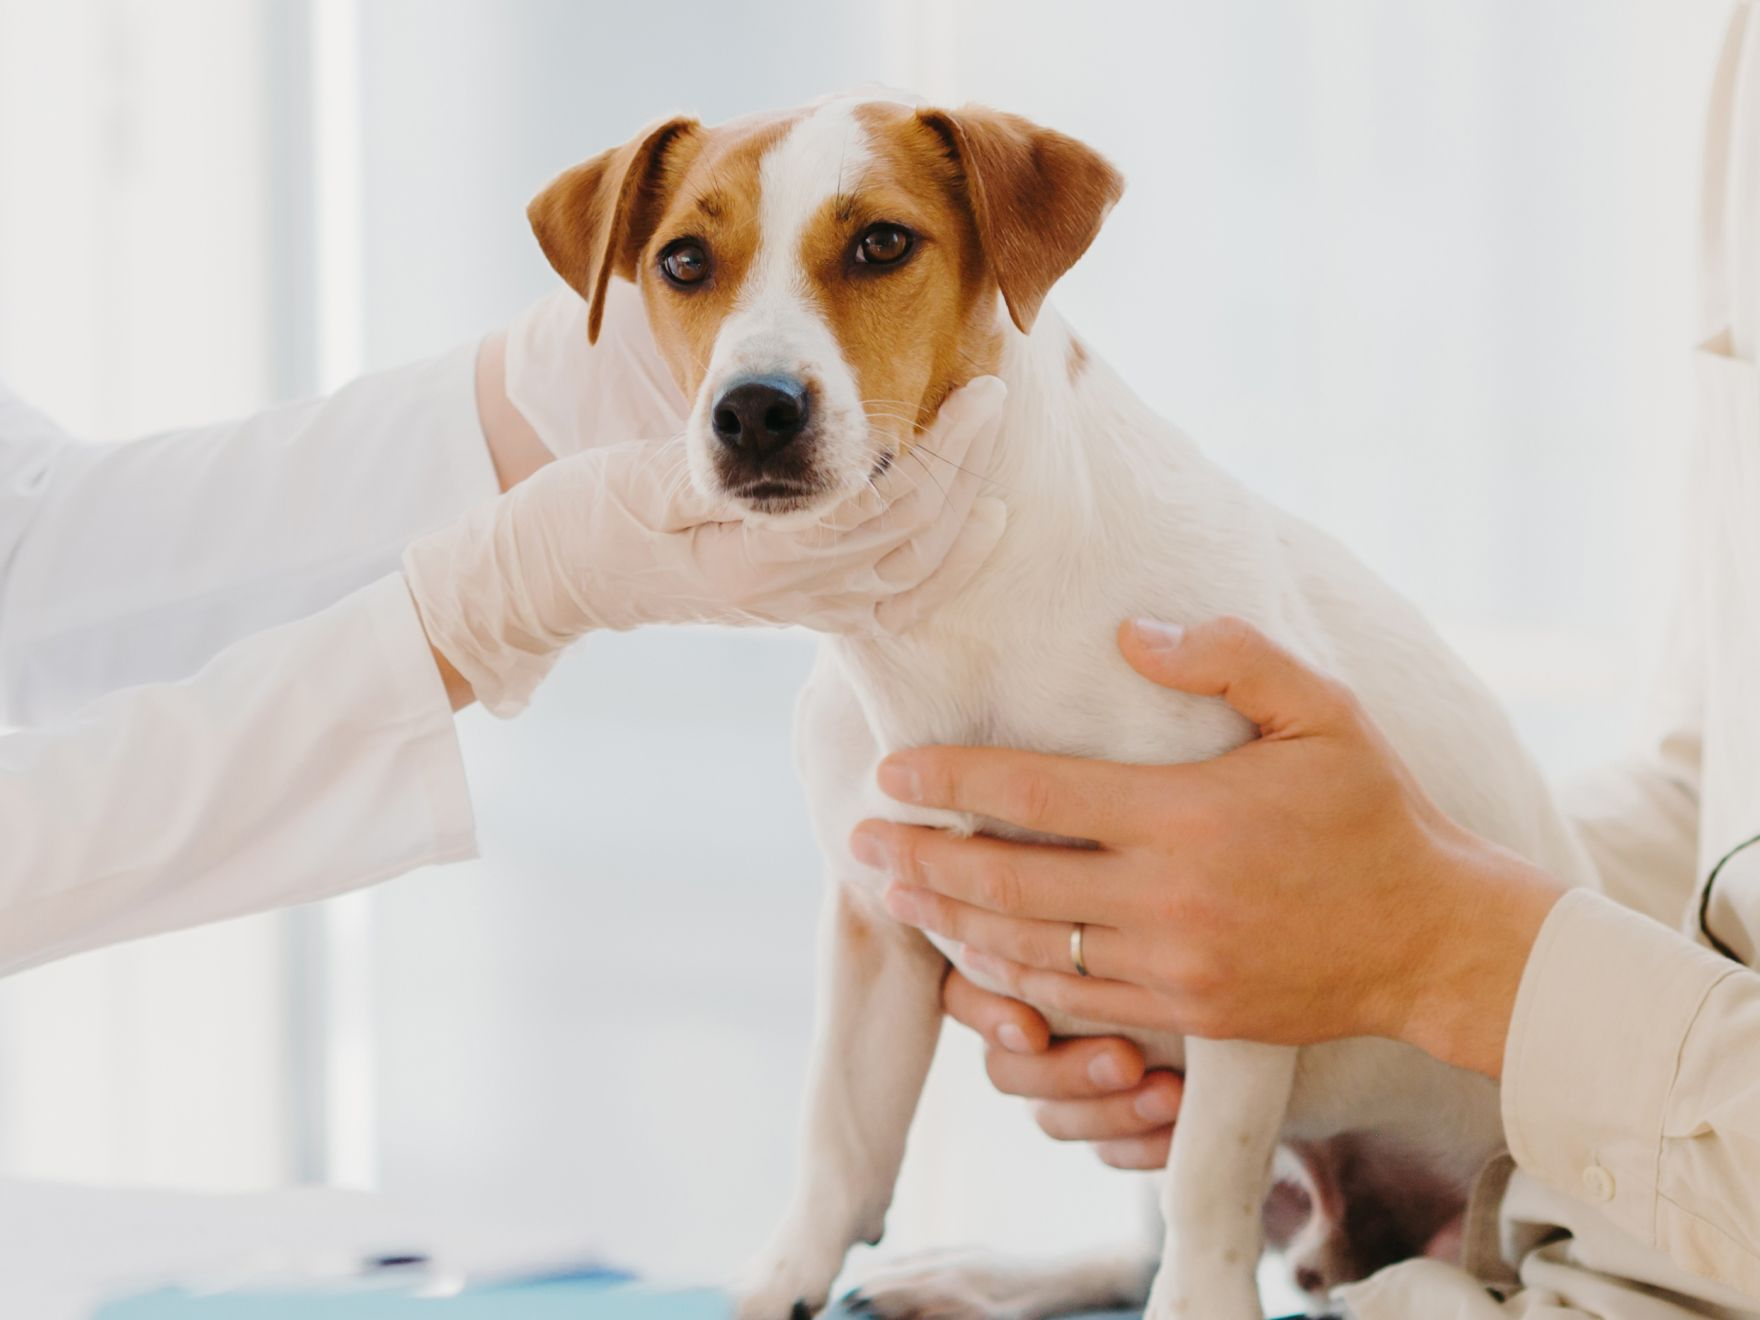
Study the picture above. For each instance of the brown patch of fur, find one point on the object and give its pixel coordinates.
(1078, 359)
(1371, 1206)
(1037, 197)
(716, 202)
(592, 220)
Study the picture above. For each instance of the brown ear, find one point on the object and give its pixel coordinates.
(594, 219)
(1037, 197)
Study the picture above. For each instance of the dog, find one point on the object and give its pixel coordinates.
(818, 281)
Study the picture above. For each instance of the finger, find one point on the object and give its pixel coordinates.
(1084, 1069)
(1231, 659)
(1006, 1023)
(959, 443)
(1145, 1152)
(1073, 798)
(1117, 1004)
(946, 466)
(1046, 945)
(977, 539)
(1149, 1107)
(930, 520)
(1045, 882)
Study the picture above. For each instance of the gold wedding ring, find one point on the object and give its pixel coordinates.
(1075, 948)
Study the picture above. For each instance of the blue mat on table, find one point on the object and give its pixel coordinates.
(581, 1298)
(573, 1299)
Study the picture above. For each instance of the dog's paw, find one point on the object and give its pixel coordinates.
(945, 1286)
(789, 1286)
(977, 1285)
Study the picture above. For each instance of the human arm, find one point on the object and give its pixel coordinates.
(1624, 1049)
(1305, 840)
(301, 762)
(1638, 819)
(315, 757)
(137, 562)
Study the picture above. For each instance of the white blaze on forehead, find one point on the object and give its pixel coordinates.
(777, 325)
(821, 156)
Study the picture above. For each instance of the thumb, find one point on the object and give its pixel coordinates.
(1231, 659)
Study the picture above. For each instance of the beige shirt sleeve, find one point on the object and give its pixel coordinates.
(1630, 1082)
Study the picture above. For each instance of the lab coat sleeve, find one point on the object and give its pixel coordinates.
(304, 761)
(1629, 1082)
(137, 562)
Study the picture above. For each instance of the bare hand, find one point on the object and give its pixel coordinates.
(1300, 888)
(1090, 1089)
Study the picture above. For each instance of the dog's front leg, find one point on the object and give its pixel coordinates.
(879, 1015)
(1230, 1115)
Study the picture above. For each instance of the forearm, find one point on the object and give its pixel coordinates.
(141, 561)
(305, 761)
(1470, 941)
(514, 447)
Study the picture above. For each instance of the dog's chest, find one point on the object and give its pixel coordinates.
(1045, 677)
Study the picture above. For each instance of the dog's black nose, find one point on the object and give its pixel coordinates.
(761, 415)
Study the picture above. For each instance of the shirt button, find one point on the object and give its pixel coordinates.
(1598, 1182)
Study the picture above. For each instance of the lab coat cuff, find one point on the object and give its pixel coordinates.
(1606, 1002)
(417, 695)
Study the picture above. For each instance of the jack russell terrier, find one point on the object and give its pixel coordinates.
(819, 281)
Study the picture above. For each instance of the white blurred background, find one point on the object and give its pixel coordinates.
(1420, 271)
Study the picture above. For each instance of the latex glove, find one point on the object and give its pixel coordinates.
(618, 537)
(582, 396)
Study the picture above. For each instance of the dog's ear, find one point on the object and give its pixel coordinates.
(1038, 198)
(593, 220)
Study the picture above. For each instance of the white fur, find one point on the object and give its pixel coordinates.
(1112, 513)
(775, 327)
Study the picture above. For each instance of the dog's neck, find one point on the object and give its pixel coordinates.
(1078, 450)
(1103, 496)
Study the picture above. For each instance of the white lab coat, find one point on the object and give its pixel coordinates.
(246, 756)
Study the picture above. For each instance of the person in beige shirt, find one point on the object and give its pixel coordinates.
(1623, 1022)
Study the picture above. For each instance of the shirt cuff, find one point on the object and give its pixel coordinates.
(1605, 1005)
(418, 694)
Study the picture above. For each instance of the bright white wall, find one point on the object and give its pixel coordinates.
(1420, 272)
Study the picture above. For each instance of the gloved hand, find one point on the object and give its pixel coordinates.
(579, 396)
(617, 537)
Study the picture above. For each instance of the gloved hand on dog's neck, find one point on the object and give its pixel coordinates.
(614, 534)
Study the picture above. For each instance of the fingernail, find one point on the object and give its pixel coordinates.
(900, 781)
(870, 849)
(1155, 1107)
(1013, 1039)
(1154, 635)
(903, 906)
(1106, 1072)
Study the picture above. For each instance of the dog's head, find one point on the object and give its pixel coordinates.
(820, 280)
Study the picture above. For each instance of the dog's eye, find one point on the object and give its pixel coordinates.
(883, 245)
(684, 262)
